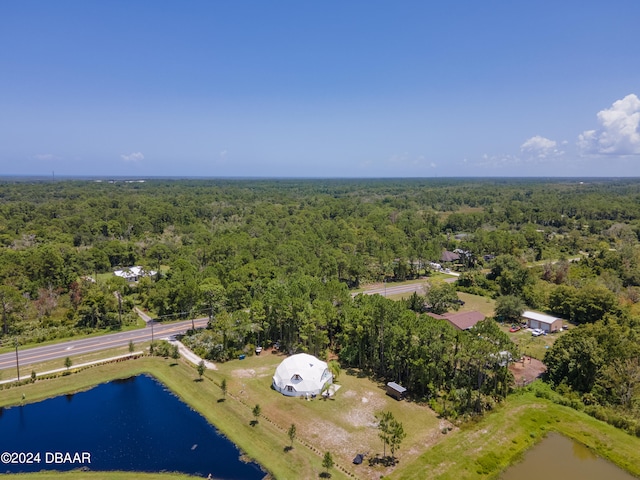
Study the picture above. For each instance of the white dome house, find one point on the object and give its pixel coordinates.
(300, 375)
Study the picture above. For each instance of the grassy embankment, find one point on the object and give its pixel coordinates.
(40, 367)
(264, 442)
(344, 426)
(486, 448)
(76, 475)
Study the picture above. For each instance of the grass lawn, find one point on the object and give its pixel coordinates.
(25, 370)
(484, 449)
(264, 442)
(344, 426)
(81, 475)
(484, 305)
(530, 345)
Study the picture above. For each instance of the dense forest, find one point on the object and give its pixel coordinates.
(276, 261)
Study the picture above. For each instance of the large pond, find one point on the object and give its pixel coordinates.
(133, 425)
(558, 457)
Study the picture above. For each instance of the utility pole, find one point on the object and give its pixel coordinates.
(119, 308)
(17, 361)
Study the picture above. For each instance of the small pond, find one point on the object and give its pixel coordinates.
(133, 425)
(558, 457)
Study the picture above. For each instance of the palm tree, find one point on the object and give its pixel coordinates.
(334, 368)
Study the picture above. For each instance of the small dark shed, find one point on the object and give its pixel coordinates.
(396, 391)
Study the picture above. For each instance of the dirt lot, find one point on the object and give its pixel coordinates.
(527, 370)
(344, 425)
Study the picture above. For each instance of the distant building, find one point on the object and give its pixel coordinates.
(546, 323)
(133, 274)
(460, 320)
(448, 256)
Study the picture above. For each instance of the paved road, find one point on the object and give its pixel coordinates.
(76, 347)
(391, 289)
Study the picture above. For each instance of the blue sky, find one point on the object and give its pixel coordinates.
(320, 89)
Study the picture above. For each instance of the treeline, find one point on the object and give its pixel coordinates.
(353, 231)
(274, 259)
(596, 368)
(459, 373)
(240, 235)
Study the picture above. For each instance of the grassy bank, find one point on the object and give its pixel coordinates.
(264, 442)
(82, 475)
(486, 448)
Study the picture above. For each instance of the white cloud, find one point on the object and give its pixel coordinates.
(540, 147)
(619, 132)
(132, 157)
(408, 160)
(499, 161)
(44, 156)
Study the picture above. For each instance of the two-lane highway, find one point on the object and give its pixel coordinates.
(77, 347)
(33, 355)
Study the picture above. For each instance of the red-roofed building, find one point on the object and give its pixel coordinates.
(460, 320)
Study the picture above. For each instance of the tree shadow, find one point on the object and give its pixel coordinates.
(220, 400)
(354, 372)
(288, 448)
(198, 379)
(387, 461)
(325, 475)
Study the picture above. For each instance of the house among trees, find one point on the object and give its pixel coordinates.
(547, 323)
(133, 274)
(448, 257)
(460, 320)
(301, 375)
(396, 391)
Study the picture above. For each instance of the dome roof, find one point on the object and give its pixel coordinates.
(301, 374)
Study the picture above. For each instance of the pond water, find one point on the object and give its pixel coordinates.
(134, 425)
(558, 457)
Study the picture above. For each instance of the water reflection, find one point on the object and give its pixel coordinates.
(582, 452)
(135, 425)
(560, 458)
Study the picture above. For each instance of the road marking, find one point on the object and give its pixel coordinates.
(52, 352)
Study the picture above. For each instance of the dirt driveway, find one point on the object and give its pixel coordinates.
(526, 370)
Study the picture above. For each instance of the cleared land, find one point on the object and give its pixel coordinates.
(344, 426)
